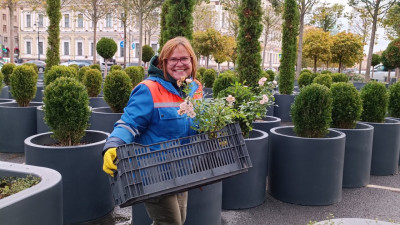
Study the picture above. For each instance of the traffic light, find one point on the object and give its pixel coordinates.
(4, 49)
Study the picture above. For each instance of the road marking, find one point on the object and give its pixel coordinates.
(384, 187)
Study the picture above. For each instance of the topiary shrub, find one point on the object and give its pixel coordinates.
(95, 66)
(346, 105)
(23, 84)
(271, 75)
(323, 79)
(200, 72)
(223, 81)
(92, 81)
(135, 74)
(326, 72)
(7, 70)
(117, 89)
(115, 67)
(66, 108)
(106, 47)
(305, 79)
(311, 111)
(375, 101)
(394, 100)
(305, 71)
(33, 65)
(1, 80)
(339, 77)
(209, 77)
(82, 72)
(147, 53)
(76, 67)
(59, 71)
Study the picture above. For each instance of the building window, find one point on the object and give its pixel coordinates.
(66, 48)
(5, 39)
(66, 20)
(4, 28)
(28, 48)
(108, 20)
(40, 20)
(121, 52)
(28, 20)
(80, 49)
(4, 16)
(91, 49)
(80, 20)
(41, 48)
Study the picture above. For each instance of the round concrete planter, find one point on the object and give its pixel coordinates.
(87, 192)
(207, 92)
(306, 171)
(353, 221)
(358, 153)
(96, 102)
(359, 85)
(17, 123)
(247, 190)
(37, 205)
(4, 92)
(39, 93)
(385, 148)
(103, 119)
(41, 126)
(282, 110)
(204, 207)
(3, 100)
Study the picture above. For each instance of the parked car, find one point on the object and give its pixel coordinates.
(109, 64)
(79, 63)
(380, 73)
(39, 63)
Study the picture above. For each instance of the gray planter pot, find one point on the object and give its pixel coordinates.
(247, 190)
(207, 93)
(87, 192)
(96, 102)
(282, 110)
(103, 119)
(204, 207)
(37, 205)
(385, 148)
(306, 171)
(4, 92)
(17, 123)
(3, 100)
(359, 85)
(41, 126)
(39, 93)
(358, 153)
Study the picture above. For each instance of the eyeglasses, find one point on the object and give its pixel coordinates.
(184, 60)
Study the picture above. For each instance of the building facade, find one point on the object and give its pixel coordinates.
(5, 36)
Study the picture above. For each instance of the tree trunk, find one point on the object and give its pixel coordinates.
(300, 48)
(105, 67)
(388, 78)
(340, 66)
(265, 45)
(140, 35)
(11, 53)
(359, 68)
(207, 61)
(315, 64)
(372, 40)
(125, 44)
(94, 41)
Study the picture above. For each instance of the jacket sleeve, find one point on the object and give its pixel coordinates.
(136, 117)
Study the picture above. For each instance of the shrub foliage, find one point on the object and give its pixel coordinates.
(92, 81)
(394, 100)
(323, 79)
(7, 70)
(305, 78)
(23, 84)
(224, 81)
(339, 77)
(346, 105)
(117, 89)
(59, 71)
(375, 101)
(135, 74)
(209, 78)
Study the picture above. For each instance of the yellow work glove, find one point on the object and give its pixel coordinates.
(108, 161)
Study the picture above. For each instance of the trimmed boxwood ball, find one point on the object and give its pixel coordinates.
(33, 65)
(224, 81)
(92, 81)
(375, 101)
(66, 108)
(305, 71)
(135, 74)
(117, 89)
(115, 67)
(76, 67)
(339, 77)
(23, 84)
(106, 47)
(311, 111)
(95, 66)
(147, 53)
(394, 100)
(82, 72)
(200, 72)
(305, 78)
(7, 70)
(326, 72)
(271, 75)
(209, 78)
(59, 71)
(346, 105)
(323, 79)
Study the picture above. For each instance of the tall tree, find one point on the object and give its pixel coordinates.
(393, 54)
(250, 28)
(392, 22)
(377, 9)
(232, 7)
(179, 20)
(305, 7)
(151, 25)
(203, 18)
(205, 43)
(53, 47)
(317, 45)
(347, 49)
(163, 24)
(326, 16)
(94, 11)
(272, 22)
(226, 47)
(290, 28)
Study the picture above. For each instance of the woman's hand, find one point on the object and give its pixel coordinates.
(108, 161)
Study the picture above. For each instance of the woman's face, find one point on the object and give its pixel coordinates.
(179, 63)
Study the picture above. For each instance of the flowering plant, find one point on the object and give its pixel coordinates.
(237, 103)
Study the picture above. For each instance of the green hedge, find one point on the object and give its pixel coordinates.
(92, 81)
(135, 73)
(23, 84)
(117, 89)
(375, 101)
(209, 77)
(224, 81)
(323, 79)
(59, 71)
(7, 70)
(346, 106)
(394, 100)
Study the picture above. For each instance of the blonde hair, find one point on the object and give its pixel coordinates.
(167, 50)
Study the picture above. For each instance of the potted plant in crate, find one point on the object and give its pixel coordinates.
(93, 80)
(346, 111)
(73, 151)
(306, 160)
(386, 141)
(117, 88)
(20, 115)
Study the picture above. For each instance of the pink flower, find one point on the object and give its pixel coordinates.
(191, 114)
(262, 81)
(265, 98)
(274, 82)
(181, 112)
(262, 102)
(179, 83)
(230, 99)
(188, 80)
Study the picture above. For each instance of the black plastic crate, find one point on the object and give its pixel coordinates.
(174, 166)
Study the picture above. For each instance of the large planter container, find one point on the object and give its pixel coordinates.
(282, 110)
(358, 153)
(4, 92)
(87, 193)
(96, 102)
(3, 100)
(204, 207)
(247, 190)
(37, 205)
(39, 92)
(306, 171)
(103, 119)
(17, 123)
(41, 126)
(359, 85)
(385, 148)
(207, 92)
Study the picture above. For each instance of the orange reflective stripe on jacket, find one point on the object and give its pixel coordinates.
(162, 98)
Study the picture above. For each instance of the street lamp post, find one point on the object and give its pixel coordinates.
(37, 25)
